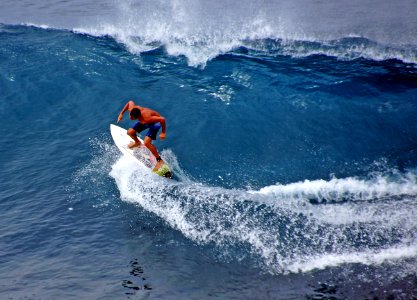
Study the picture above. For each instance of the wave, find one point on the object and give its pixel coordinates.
(200, 31)
(199, 51)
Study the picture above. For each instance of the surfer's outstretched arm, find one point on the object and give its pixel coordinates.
(129, 105)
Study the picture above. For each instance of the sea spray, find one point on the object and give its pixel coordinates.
(281, 233)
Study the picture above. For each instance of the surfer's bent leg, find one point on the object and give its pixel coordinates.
(151, 135)
(148, 143)
(132, 133)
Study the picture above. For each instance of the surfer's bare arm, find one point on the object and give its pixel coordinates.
(160, 119)
(164, 128)
(129, 105)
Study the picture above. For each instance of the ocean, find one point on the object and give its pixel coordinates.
(291, 131)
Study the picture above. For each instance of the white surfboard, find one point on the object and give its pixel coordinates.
(141, 155)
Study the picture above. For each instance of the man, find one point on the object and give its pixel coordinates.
(147, 119)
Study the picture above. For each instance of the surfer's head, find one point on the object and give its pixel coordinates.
(134, 114)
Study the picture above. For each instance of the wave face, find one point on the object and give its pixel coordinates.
(201, 30)
(299, 167)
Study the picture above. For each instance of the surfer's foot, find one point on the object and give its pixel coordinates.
(158, 165)
(134, 144)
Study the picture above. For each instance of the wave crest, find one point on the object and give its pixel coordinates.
(201, 30)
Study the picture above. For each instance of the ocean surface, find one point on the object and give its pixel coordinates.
(291, 130)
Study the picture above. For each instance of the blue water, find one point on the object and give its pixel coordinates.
(293, 142)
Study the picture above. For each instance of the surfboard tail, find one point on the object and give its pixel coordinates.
(164, 171)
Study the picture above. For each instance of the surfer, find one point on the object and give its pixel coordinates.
(147, 119)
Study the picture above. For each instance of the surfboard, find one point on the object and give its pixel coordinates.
(140, 155)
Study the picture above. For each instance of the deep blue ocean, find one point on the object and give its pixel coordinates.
(291, 130)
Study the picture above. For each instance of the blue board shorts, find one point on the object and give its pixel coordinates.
(153, 129)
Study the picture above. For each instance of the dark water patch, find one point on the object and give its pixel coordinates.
(324, 291)
(363, 285)
(138, 280)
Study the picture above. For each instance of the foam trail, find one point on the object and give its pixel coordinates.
(353, 189)
(366, 258)
(280, 237)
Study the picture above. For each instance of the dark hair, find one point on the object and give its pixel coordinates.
(135, 113)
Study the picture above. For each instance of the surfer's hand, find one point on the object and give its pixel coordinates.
(162, 136)
(119, 118)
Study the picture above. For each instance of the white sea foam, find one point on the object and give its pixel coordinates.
(278, 226)
(339, 189)
(390, 255)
